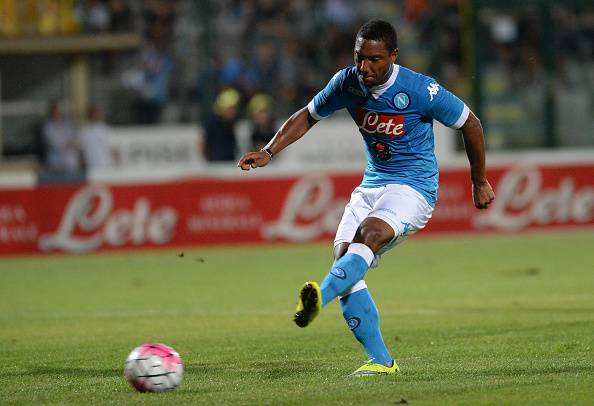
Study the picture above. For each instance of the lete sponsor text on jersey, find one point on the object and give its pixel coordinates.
(389, 125)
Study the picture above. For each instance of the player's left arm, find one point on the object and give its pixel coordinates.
(447, 108)
(474, 144)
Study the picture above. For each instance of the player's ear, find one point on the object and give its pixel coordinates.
(394, 55)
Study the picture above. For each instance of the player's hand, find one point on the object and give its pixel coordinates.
(482, 194)
(253, 160)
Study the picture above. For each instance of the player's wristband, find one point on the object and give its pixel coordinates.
(268, 151)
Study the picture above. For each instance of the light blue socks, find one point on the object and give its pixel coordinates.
(358, 307)
(361, 315)
(346, 271)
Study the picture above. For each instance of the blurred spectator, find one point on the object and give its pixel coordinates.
(158, 67)
(415, 9)
(49, 18)
(231, 73)
(341, 24)
(121, 16)
(440, 27)
(94, 141)
(159, 15)
(59, 138)
(340, 13)
(8, 18)
(263, 69)
(97, 16)
(260, 111)
(220, 137)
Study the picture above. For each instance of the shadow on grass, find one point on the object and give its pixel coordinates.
(532, 371)
(515, 329)
(75, 372)
(268, 369)
(517, 308)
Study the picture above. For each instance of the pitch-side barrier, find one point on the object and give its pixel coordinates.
(222, 205)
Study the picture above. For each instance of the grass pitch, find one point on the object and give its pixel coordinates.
(481, 320)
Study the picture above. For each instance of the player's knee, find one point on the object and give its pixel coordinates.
(372, 236)
(374, 239)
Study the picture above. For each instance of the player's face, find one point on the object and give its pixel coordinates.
(374, 61)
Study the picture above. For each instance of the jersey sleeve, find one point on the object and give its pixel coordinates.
(329, 99)
(442, 105)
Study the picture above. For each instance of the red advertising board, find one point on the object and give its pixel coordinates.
(297, 208)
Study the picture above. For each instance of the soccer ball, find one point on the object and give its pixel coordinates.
(153, 368)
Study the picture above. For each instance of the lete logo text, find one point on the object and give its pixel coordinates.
(522, 201)
(310, 210)
(90, 221)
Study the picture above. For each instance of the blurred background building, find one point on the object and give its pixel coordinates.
(527, 68)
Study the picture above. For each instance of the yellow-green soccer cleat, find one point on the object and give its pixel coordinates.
(371, 368)
(309, 304)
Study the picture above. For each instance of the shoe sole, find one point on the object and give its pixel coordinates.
(366, 372)
(309, 299)
(371, 373)
(362, 374)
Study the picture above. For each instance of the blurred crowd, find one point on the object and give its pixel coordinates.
(66, 148)
(289, 50)
(61, 17)
(221, 62)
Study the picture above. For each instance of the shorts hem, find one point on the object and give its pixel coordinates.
(388, 220)
(340, 241)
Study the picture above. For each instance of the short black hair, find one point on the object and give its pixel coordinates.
(379, 30)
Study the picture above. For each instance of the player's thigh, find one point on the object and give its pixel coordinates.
(404, 209)
(356, 210)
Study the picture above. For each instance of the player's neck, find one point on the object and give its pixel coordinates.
(386, 76)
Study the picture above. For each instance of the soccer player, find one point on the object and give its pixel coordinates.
(394, 108)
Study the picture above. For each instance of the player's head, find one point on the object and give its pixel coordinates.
(376, 50)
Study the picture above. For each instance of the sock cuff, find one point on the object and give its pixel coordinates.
(362, 250)
(356, 287)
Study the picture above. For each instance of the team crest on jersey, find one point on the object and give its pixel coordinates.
(401, 100)
(386, 124)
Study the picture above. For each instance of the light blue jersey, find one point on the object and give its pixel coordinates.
(396, 122)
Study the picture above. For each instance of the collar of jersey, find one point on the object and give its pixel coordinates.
(377, 91)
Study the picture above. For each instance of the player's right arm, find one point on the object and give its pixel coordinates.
(322, 105)
(293, 129)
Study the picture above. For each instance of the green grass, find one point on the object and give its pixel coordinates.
(482, 320)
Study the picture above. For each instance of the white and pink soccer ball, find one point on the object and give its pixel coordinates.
(153, 368)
